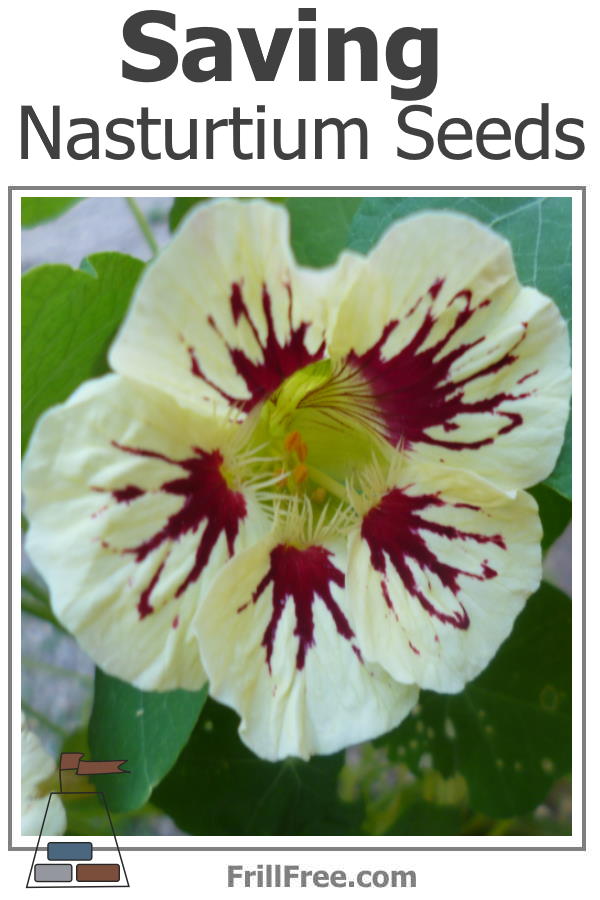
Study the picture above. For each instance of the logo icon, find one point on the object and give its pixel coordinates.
(68, 863)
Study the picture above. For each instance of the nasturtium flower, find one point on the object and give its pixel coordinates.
(39, 777)
(306, 486)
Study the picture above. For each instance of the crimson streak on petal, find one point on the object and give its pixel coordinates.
(414, 389)
(394, 530)
(206, 498)
(277, 360)
(302, 576)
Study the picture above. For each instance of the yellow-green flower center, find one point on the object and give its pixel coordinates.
(318, 434)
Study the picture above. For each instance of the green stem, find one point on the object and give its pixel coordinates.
(35, 602)
(43, 720)
(59, 671)
(36, 591)
(330, 484)
(143, 224)
(40, 612)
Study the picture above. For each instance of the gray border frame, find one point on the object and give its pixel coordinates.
(174, 189)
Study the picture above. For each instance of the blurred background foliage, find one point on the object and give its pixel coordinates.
(494, 760)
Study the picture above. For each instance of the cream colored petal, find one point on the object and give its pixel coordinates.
(224, 312)
(37, 770)
(130, 518)
(279, 648)
(464, 365)
(438, 571)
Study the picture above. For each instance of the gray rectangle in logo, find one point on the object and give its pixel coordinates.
(49, 872)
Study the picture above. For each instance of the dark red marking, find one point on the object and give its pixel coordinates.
(433, 291)
(436, 287)
(487, 571)
(144, 606)
(394, 529)
(529, 375)
(358, 654)
(278, 360)
(302, 575)
(386, 594)
(122, 495)
(414, 389)
(127, 494)
(414, 308)
(175, 622)
(387, 598)
(195, 365)
(206, 498)
(414, 649)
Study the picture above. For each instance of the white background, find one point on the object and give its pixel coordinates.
(494, 60)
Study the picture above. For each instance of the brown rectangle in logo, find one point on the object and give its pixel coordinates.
(98, 872)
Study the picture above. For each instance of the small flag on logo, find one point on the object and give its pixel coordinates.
(74, 761)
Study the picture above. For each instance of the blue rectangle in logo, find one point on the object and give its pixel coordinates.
(69, 850)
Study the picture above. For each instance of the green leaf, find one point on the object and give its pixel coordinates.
(36, 602)
(560, 479)
(509, 732)
(427, 819)
(555, 513)
(147, 729)
(181, 205)
(539, 230)
(237, 793)
(320, 227)
(69, 317)
(41, 209)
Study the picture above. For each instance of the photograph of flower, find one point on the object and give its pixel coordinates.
(296, 503)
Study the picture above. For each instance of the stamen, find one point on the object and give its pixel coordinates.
(330, 484)
(260, 482)
(294, 519)
(251, 460)
(369, 485)
(329, 408)
(300, 473)
(293, 443)
(251, 453)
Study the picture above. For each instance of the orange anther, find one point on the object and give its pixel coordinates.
(301, 450)
(293, 443)
(318, 495)
(300, 473)
(290, 441)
